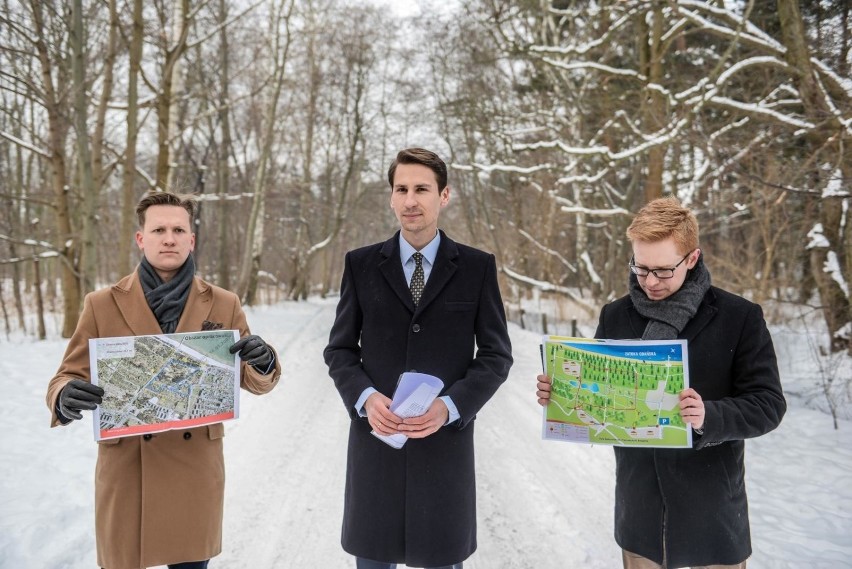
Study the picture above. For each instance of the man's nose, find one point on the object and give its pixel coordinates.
(409, 199)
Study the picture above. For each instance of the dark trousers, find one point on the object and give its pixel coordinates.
(190, 565)
(361, 563)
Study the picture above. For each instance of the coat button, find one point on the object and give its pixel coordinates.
(416, 328)
(187, 435)
(147, 437)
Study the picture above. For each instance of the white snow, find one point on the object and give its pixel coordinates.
(543, 505)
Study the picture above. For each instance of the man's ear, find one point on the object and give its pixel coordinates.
(693, 259)
(445, 196)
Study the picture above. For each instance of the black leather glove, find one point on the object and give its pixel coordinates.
(254, 351)
(76, 396)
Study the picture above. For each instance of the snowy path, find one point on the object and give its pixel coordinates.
(540, 505)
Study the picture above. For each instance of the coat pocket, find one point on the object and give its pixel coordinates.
(459, 305)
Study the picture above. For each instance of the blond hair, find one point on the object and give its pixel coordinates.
(156, 197)
(663, 218)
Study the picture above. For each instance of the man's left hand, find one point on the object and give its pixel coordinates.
(254, 351)
(692, 408)
(428, 423)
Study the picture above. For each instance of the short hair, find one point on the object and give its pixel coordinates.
(663, 218)
(158, 197)
(423, 157)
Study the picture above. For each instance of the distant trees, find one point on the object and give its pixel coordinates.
(604, 108)
(559, 119)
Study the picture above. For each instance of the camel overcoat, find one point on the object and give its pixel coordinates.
(689, 505)
(416, 505)
(158, 497)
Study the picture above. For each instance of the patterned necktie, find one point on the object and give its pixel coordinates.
(417, 281)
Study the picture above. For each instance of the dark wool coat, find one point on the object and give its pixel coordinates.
(159, 497)
(691, 503)
(416, 505)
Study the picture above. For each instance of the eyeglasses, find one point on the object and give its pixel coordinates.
(662, 274)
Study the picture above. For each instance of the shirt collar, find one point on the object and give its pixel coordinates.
(429, 252)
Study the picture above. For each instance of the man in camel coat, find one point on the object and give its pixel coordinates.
(158, 497)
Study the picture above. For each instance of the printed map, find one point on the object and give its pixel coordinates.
(158, 383)
(616, 392)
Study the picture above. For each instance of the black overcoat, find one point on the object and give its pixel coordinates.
(416, 505)
(692, 502)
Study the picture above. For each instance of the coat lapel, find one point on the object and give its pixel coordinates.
(443, 270)
(131, 302)
(391, 268)
(705, 314)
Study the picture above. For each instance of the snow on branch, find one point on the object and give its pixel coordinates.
(24, 144)
(43, 255)
(752, 34)
(573, 150)
(843, 83)
(594, 65)
(745, 63)
(761, 110)
(584, 48)
(488, 168)
(549, 251)
(218, 198)
(550, 287)
(28, 242)
(609, 212)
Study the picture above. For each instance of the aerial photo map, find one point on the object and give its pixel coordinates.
(170, 381)
(616, 392)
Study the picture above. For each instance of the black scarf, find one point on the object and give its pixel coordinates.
(167, 299)
(668, 317)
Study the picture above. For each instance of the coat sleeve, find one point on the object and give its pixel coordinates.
(757, 403)
(75, 362)
(493, 359)
(251, 379)
(343, 352)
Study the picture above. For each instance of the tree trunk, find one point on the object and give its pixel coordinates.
(128, 196)
(58, 127)
(831, 252)
(247, 287)
(165, 98)
(223, 175)
(88, 188)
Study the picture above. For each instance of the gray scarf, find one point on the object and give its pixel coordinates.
(668, 317)
(167, 299)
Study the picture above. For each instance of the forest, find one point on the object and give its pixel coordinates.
(558, 118)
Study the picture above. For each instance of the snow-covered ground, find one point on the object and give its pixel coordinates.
(543, 505)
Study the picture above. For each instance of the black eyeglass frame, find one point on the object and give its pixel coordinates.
(641, 271)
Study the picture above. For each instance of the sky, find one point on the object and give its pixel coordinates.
(541, 504)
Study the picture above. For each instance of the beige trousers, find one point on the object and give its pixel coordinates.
(634, 561)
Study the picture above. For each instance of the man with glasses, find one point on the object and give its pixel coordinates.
(688, 507)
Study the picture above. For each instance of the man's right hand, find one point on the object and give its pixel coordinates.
(78, 395)
(543, 390)
(379, 415)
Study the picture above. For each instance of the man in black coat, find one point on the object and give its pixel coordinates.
(688, 507)
(417, 302)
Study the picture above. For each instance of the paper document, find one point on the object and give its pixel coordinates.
(169, 381)
(616, 392)
(414, 394)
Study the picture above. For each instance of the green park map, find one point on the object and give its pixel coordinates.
(616, 392)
